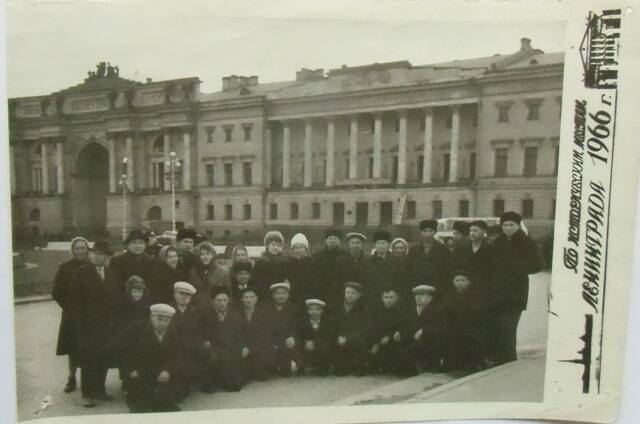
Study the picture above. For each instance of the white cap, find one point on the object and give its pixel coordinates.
(183, 286)
(300, 238)
(281, 285)
(423, 288)
(162, 309)
(310, 302)
(356, 235)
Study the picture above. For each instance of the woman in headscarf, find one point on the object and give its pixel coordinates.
(299, 270)
(239, 253)
(67, 343)
(399, 269)
(167, 274)
(206, 274)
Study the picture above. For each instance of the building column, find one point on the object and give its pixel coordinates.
(112, 165)
(286, 154)
(428, 145)
(331, 149)
(130, 162)
(377, 145)
(402, 147)
(166, 149)
(308, 167)
(267, 172)
(186, 168)
(353, 148)
(44, 150)
(455, 144)
(60, 167)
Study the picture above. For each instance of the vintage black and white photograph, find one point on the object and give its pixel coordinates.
(227, 206)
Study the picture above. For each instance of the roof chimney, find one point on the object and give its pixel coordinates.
(525, 44)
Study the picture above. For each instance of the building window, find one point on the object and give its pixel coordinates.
(247, 132)
(227, 233)
(209, 233)
(209, 132)
(463, 209)
(411, 209)
(293, 211)
(315, 210)
(158, 177)
(370, 166)
(158, 145)
(394, 169)
(210, 213)
(472, 165)
(273, 211)
(34, 214)
(437, 209)
(474, 121)
(386, 213)
(372, 127)
(228, 212)
(420, 167)
(527, 208)
(347, 168)
(498, 207)
(501, 159)
(210, 169)
(557, 160)
(503, 113)
(246, 174)
(154, 213)
(396, 125)
(246, 214)
(362, 213)
(423, 123)
(36, 179)
(530, 161)
(449, 122)
(228, 134)
(228, 174)
(447, 166)
(534, 112)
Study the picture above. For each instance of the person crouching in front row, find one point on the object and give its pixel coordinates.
(283, 313)
(351, 347)
(255, 330)
(423, 332)
(317, 338)
(151, 359)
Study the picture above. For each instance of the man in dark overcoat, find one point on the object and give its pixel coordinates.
(350, 343)
(134, 261)
(152, 361)
(326, 265)
(475, 256)
(515, 256)
(285, 316)
(423, 332)
(317, 336)
(355, 266)
(67, 337)
(256, 327)
(186, 242)
(429, 258)
(92, 306)
(229, 369)
(382, 267)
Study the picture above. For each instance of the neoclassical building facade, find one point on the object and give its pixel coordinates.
(386, 144)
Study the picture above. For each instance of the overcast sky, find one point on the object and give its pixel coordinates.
(52, 44)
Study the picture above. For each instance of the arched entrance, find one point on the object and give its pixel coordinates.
(90, 188)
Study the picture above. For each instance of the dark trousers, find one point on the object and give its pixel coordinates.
(147, 395)
(284, 356)
(320, 358)
(92, 380)
(350, 358)
(505, 335)
(229, 374)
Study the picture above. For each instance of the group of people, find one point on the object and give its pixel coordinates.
(172, 319)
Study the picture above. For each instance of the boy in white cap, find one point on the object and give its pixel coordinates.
(271, 267)
(317, 338)
(283, 336)
(151, 359)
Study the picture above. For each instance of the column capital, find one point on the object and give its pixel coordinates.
(455, 107)
(401, 113)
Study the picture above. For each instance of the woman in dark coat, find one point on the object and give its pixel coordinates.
(67, 343)
(206, 274)
(299, 270)
(272, 266)
(166, 274)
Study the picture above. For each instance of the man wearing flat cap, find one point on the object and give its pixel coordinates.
(381, 267)
(92, 305)
(317, 335)
(475, 256)
(284, 316)
(429, 259)
(423, 332)
(190, 325)
(327, 277)
(134, 261)
(355, 266)
(151, 359)
(256, 327)
(515, 256)
(350, 343)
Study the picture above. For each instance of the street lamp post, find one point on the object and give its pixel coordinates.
(173, 166)
(124, 183)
